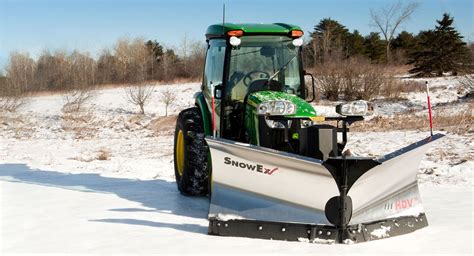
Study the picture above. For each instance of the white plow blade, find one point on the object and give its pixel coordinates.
(256, 183)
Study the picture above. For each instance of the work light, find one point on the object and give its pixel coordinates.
(353, 108)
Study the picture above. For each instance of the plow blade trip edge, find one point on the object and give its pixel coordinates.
(255, 189)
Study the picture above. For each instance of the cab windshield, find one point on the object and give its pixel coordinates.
(263, 63)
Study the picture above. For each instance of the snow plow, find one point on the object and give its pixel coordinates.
(273, 167)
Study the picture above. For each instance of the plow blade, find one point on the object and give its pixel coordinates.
(263, 193)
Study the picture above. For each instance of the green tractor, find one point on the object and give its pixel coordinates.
(273, 167)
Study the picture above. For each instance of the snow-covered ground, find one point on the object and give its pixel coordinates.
(101, 181)
(55, 212)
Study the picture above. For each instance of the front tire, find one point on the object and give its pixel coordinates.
(191, 154)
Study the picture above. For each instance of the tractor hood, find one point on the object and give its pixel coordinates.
(303, 108)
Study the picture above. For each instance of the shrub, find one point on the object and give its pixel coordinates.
(139, 95)
(12, 103)
(329, 80)
(74, 101)
(353, 78)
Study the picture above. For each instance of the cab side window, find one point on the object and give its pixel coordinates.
(214, 69)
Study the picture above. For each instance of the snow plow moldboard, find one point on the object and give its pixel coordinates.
(263, 193)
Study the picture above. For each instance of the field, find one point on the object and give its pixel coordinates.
(101, 180)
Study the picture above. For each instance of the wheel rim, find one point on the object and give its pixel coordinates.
(180, 153)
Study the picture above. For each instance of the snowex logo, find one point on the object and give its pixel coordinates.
(250, 166)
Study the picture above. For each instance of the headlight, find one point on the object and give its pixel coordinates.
(276, 108)
(354, 108)
(306, 123)
(277, 124)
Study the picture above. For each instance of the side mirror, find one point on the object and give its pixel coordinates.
(313, 97)
(218, 92)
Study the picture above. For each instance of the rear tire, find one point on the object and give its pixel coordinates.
(191, 154)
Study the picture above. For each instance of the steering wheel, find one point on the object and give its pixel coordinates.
(248, 77)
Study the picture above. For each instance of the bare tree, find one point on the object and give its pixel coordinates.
(184, 52)
(315, 48)
(81, 71)
(139, 95)
(75, 100)
(106, 69)
(387, 19)
(20, 73)
(132, 59)
(167, 97)
(196, 59)
(19, 76)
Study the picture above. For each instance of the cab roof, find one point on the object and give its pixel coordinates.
(219, 30)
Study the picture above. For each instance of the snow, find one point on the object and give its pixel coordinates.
(56, 212)
(382, 232)
(226, 217)
(102, 181)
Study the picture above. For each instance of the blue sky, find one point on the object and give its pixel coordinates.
(87, 25)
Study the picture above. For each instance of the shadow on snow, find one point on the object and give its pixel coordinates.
(157, 195)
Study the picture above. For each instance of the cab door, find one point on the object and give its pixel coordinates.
(213, 76)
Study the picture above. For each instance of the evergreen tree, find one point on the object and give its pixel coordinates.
(329, 38)
(439, 51)
(155, 55)
(374, 47)
(355, 44)
(402, 46)
(404, 41)
(155, 49)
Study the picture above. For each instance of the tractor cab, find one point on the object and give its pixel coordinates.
(243, 59)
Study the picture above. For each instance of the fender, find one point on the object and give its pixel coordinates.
(206, 117)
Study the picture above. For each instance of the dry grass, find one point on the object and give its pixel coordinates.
(80, 123)
(19, 126)
(12, 104)
(181, 81)
(460, 123)
(394, 70)
(112, 86)
(151, 82)
(467, 85)
(413, 86)
(163, 125)
(392, 88)
(103, 154)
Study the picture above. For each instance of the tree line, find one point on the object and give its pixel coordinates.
(431, 52)
(134, 61)
(130, 61)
